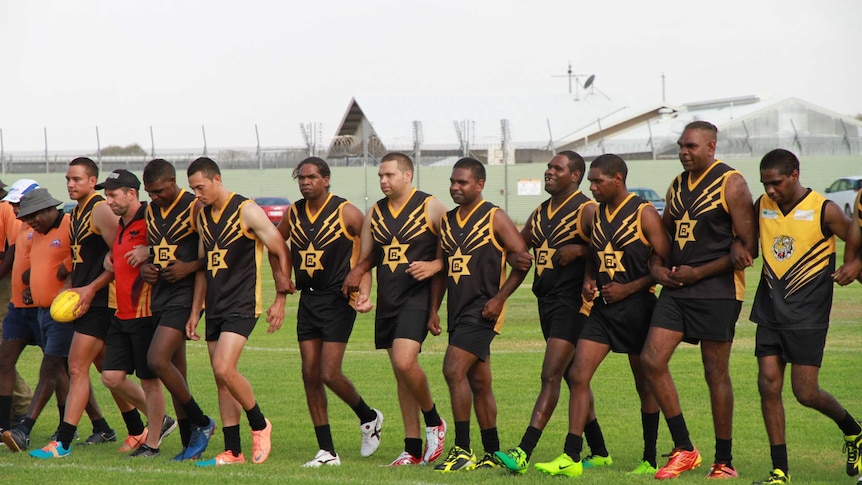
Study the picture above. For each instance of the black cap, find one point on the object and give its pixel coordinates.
(120, 178)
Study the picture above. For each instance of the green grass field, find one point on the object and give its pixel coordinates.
(272, 364)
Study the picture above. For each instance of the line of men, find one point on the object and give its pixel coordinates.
(596, 267)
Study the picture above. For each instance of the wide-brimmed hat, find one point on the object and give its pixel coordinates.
(36, 200)
(19, 188)
(120, 178)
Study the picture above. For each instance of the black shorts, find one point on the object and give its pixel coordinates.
(623, 326)
(324, 315)
(175, 317)
(473, 337)
(409, 324)
(561, 318)
(95, 322)
(233, 324)
(803, 347)
(22, 324)
(127, 344)
(697, 318)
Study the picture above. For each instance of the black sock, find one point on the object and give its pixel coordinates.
(595, 438)
(573, 447)
(100, 425)
(324, 438)
(530, 440)
(462, 434)
(134, 425)
(5, 411)
(363, 412)
(779, 457)
(27, 425)
(679, 432)
(723, 452)
(185, 430)
(232, 440)
(255, 418)
(61, 410)
(414, 447)
(490, 439)
(649, 421)
(849, 425)
(66, 433)
(432, 418)
(194, 413)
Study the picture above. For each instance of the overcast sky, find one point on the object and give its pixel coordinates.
(125, 65)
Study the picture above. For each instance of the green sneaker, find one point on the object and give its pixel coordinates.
(561, 465)
(852, 444)
(776, 477)
(595, 461)
(643, 468)
(489, 461)
(515, 460)
(458, 459)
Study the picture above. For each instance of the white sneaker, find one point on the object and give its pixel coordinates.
(371, 435)
(323, 457)
(435, 441)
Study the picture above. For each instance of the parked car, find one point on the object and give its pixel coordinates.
(275, 207)
(843, 192)
(650, 195)
(68, 207)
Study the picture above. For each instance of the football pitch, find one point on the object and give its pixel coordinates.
(272, 365)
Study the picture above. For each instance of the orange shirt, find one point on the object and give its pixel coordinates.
(9, 226)
(47, 253)
(21, 264)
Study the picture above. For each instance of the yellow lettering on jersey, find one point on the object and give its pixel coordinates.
(76, 254)
(164, 253)
(395, 254)
(215, 260)
(458, 265)
(685, 230)
(611, 261)
(310, 260)
(544, 256)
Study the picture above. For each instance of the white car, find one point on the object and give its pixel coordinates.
(843, 192)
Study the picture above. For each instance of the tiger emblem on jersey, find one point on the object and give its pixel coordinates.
(782, 247)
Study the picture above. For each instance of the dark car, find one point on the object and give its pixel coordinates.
(275, 207)
(650, 195)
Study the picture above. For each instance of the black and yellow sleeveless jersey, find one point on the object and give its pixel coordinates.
(475, 262)
(703, 231)
(172, 233)
(621, 250)
(857, 211)
(88, 251)
(401, 237)
(321, 248)
(550, 229)
(798, 251)
(233, 256)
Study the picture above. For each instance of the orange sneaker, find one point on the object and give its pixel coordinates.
(721, 471)
(680, 460)
(223, 458)
(134, 442)
(261, 444)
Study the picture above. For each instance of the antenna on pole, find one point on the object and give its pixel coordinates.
(98, 149)
(152, 143)
(257, 138)
(418, 138)
(204, 133)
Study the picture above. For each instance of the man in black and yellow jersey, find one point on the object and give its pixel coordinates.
(233, 232)
(709, 210)
(323, 230)
(558, 233)
(797, 228)
(628, 239)
(475, 239)
(399, 238)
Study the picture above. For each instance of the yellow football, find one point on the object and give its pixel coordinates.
(63, 306)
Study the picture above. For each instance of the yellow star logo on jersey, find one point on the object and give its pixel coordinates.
(310, 260)
(215, 260)
(611, 261)
(685, 230)
(544, 254)
(395, 254)
(76, 254)
(458, 265)
(164, 253)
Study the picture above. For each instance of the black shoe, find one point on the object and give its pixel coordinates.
(144, 452)
(169, 424)
(100, 437)
(16, 440)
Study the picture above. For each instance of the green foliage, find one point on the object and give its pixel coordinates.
(133, 150)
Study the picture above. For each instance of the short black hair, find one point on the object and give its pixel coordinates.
(405, 164)
(782, 160)
(318, 162)
(610, 165)
(158, 169)
(576, 161)
(89, 166)
(474, 166)
(206, 165)
(703, 125)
